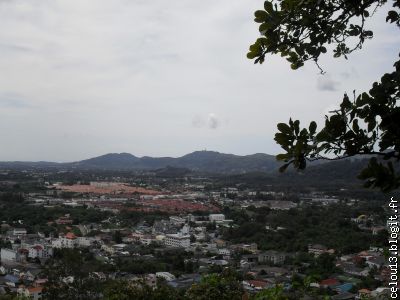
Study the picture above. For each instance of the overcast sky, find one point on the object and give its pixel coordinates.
(81, 78)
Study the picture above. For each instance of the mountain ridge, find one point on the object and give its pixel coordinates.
(204, 161)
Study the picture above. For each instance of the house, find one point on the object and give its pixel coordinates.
(19, 231)
(318, 249)
(364, 293)
(354, 270)
(83, 241)
(255, 284)
(250, 258)
(165, 275)
(329, 283)
(67, 241)
(185, 281)
(34, 293)
(40, 251)
(381, 293)
(244, 247)
(9, 255)
(377, 262)
(147, 239)
(272, 256)
(216, 217)
(177, 240)
(281, 205)
(224, 252)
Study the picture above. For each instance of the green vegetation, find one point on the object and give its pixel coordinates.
(35, 218)
(330, 226)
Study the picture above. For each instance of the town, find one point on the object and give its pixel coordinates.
(58, 235)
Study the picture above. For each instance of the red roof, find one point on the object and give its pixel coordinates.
(35, 289)
(329, 282)
(258, 283)
(70, 236)
(37, 247)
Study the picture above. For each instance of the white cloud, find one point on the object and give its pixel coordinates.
(213, 122)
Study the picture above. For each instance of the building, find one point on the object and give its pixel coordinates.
(34, 293)
(83, 241)
(216, 217)
(317, 249)
(19, 231)
(165, 275)
(244, 247)
(224, 251)
(67, 241)
(177, 240)
(9, 255)
(272, 256)
(40, 251)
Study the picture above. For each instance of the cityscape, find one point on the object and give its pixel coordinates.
(86, 232)
(199, 150)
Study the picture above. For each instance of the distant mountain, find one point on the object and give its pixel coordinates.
(202, 161)
(109, 161)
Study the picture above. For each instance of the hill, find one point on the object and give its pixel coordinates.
(203, 161)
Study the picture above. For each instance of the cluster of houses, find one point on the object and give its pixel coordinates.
(269, 268)
(22, 255)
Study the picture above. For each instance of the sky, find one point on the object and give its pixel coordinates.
(81, 78)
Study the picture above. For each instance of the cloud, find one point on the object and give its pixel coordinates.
(213, 122)
(326, 83)
(115, 76)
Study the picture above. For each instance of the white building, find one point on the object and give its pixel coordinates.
(9, 255)
(83, 241)
(67, 241)
(177, 220)
(40, 251)
(216, 217)
(224, 251)
(177, 240)
(19, 231)
(165, 275)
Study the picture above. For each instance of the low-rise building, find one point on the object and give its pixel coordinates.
(40, 251)
(165, 275)
(272, 256)
(9, 255)
(67, 241)
(177, 240)
(216, 217)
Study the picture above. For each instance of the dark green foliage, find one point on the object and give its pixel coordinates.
(300, 30)
(122, 290)
(365, 125)
(330, 226)
(275, 293)
(71, 263)
(35, 218)
(225, 286)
